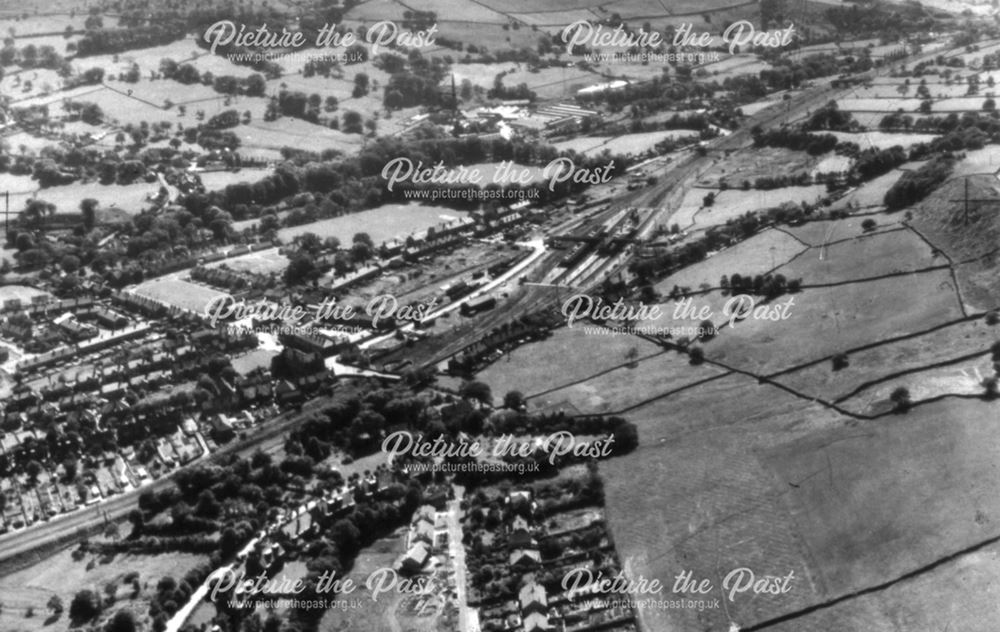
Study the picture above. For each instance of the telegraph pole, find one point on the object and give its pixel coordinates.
(966, 199)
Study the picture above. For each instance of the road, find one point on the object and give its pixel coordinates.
(86, 520)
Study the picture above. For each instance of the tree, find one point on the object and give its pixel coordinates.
(123, 621)
(990, 384)
(300, 270)
(697, 355)
(70, 264)
(901, 398)
(478, 391)
(88, 211)
(85, 606)
(513, 400)
(989, 105)
(33, 469)
(55, 605)
(868, 225)
(708, 200)
(840, 361)
(208, 506)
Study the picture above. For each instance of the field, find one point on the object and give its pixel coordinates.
(826, 321)
(183, 294)
(832, 163)
(260, 262)
(130, 198)
(862, 257)
(624, 387)
(628, 144)
(979, 161)
(824, 232)
(216, 180)
(879, 362)
(62, 576)
(575, 353)
(382, 224)
(871, 193)
(553, 82)
(755, 163)
(732, 203)
(883, 140)
(888, 533)
(393, 610)
(710, 506)
(756, 255)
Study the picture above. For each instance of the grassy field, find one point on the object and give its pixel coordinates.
(883, 140)
(872, 193)
(756, 255)
(979, 161)
(941, 219)
(62, 576)
(625, 386)
(695, 497)
(575, 353)
(823, 232)
(826, 321)
(363, 613)
(904, 512)
(732, 203)
(554, 82)
(627, 144)
(215, 180)
(382, 224)
(130, 198)
(862, 257)
(871, 364)
(754, 163)
(260, 262)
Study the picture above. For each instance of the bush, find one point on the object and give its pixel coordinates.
(840, 361)
(901, 398)
(914, 186)
(85, 606)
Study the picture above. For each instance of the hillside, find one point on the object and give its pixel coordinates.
(974, 244)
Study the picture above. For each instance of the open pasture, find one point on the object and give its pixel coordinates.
(732, 203)
(754, 163)
(62, 576)
(826, 321)
(875, 500)
(753, 256)
(569, 355)
(553, 82)
(823, 232)
(954, 341)
(130, 198)
(382, 224)
(871, 193)
(883, 140)
(626, 386)
(710, 505)
(861, 257)
(627, 144)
